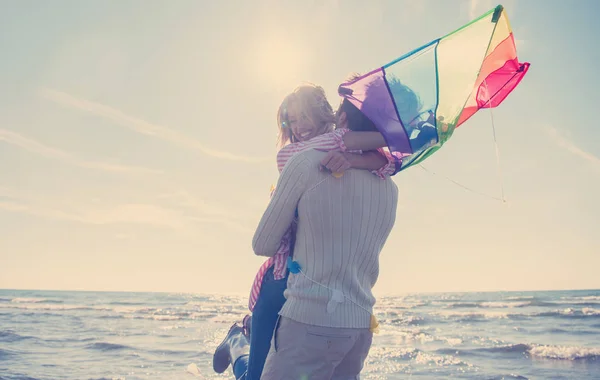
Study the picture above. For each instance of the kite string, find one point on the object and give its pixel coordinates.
(459, 184)
(497, 156)
(499, 167)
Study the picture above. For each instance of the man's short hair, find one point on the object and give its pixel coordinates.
(357, 121)
(405, 101)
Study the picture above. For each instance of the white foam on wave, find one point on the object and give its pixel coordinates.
(27, 300)
(410, 337)
(590, 311)
(199, 304)
(570, 312)
(582, 298)
(418, 336)
(453, 341)
(166, 318)
(399, 304)
(497, 304)
(171, 327)
(564, 352)
(130, 309)
(425, 358)
(520, 298)
(472, 314)
(384, 361)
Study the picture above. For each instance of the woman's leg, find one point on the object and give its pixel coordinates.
(234, 348)
(264, 317)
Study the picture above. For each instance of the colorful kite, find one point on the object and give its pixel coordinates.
(417, 100)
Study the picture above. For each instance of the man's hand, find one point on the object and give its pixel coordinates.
(336, 162)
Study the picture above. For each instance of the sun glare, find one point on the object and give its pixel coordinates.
(278, 61)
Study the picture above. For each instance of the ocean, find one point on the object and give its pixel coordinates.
(121, 335)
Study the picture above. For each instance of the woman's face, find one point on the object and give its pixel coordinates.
(299, 123)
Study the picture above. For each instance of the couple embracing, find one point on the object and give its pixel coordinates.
(327, 221)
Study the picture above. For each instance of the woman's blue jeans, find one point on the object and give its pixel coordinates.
(264, 316)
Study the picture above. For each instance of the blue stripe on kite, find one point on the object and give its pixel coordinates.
(411, 53)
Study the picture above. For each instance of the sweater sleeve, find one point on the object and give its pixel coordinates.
(281, 210)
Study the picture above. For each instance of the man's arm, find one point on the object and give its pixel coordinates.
(281, 210)
(363, 140)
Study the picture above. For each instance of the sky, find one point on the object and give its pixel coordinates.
(138, 143)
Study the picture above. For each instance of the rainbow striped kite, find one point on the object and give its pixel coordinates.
(417, 100)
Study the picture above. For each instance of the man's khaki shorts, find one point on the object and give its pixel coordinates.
(300, 351)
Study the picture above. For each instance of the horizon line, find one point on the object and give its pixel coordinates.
(245, 293)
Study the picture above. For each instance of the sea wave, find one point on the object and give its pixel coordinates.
(503, 304)
(520, 298)
(479, 315)
(33, 300)
(571, 353)
(582, 298)
(585, 312)
(416, 356)
(556, 330)
(127, 303)
(104, 346)
(419, 336)
(17, 377)
(425, 358)
(509, 376)
(46, 306)
(405, 320)
(471, 315)
(5, 353)
(131, 312)
(174, 316)
(460, 305)
(520, 302)
(11, 336)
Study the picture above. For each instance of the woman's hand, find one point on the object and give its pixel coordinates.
(336, 162)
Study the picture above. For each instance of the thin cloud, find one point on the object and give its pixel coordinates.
(211, 212)
(137, 213)
(569, 146)
(36, 147)
(128, 213)
(473, 9)
(121, 214)
(141, 126)
(49, 213)
(477, 7)
(94, 213)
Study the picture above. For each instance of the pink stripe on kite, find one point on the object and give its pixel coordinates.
(500, 73)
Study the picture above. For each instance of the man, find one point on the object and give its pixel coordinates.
(323, 331)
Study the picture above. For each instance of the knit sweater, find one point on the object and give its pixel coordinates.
(343, 224)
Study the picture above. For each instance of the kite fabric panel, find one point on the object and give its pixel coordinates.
(419, 99)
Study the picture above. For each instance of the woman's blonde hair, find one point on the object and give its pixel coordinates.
(313, 103)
